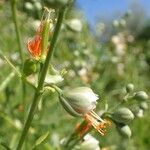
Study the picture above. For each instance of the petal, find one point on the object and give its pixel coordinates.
(34, 46)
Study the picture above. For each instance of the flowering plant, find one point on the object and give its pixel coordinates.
(64, 89)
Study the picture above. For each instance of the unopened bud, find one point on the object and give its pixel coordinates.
(129, 87)
(28, 6)
(141, 96)
(144, 105)
(140, 113)
(29, 67)
(122, 115)
(38, 5)
(124, 130)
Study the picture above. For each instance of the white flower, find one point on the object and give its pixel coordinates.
(81, 102)
(81, 99)
(90, 143)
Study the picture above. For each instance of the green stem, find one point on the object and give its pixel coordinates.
(6, 81)
(10, 64)
(37, 95)
(16, 70)
(14, 16)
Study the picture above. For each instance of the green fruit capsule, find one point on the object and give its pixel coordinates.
(29, 67)
(122, 115)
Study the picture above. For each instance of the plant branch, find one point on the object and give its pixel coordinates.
(37, 94)
(14, 16)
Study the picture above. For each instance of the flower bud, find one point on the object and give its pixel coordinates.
(38, 5)
(140, 113)
(144, 105)
(122, 115)
(80, 100)
(129, 88)
(29, 6)
(141, 96)
(124, 130)
(29, 67)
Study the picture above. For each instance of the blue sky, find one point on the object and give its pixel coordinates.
(108, 8)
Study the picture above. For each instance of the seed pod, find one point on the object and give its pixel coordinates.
(124, 130)
(29, 67)
(129, 88)
(141, 96)
(80, 100)
(122, 115)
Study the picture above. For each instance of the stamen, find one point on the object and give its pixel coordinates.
(96, 116)
(94, 119)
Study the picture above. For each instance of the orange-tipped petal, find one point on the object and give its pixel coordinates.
(34, 46)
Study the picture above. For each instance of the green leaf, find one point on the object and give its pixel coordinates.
(41, 139)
